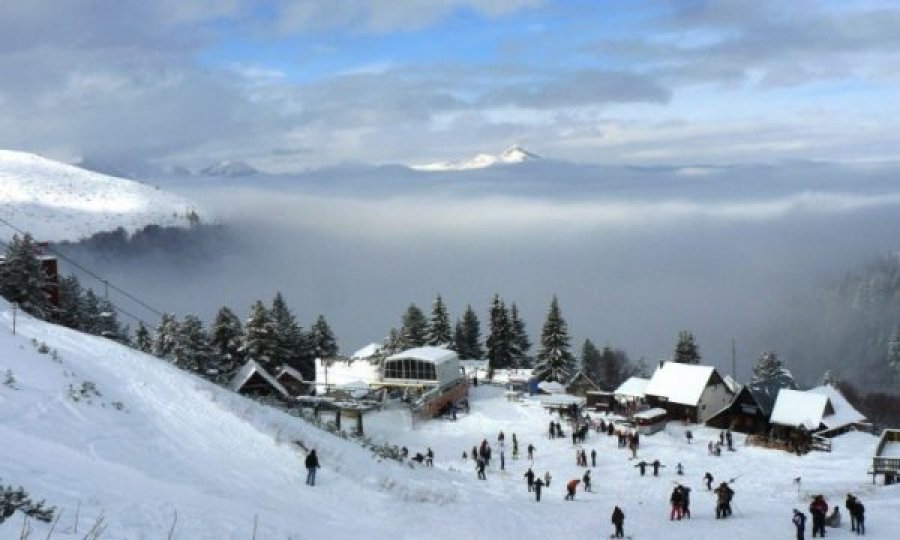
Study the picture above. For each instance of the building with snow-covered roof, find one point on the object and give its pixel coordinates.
(845, 416)
(431, 375)
(687, 391)
(801, 410)
(751, 408)
(292, 381)
(367, 352)
(253, 380)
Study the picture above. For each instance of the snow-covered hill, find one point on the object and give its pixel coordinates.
(513, 154)
(229, 168)
(56, 201)
(144, 440)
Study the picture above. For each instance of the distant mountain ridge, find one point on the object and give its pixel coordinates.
(513, 154)
(55, 201)
(229, 168)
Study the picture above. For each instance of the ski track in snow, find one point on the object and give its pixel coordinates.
(220, 459)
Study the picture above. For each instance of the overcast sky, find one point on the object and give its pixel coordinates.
(291, 84)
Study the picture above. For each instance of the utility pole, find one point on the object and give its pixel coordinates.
(733, 360)
(14, 306)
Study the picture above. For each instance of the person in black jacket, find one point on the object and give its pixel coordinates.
(312, 463)
(618, 519)
(799, 522)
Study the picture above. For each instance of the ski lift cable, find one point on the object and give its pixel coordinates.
(92, 274)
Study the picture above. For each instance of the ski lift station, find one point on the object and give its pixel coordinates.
(432, 374)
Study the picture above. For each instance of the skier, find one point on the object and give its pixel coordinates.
(547, 478)
(552, 430)
(404, 452)
(818, 508)
(571, 486)
(583, 458)
(679, 470)
(475, 452)
(799, 522)
(529, 479)
(479, 467)
(531, 451)
(708, 478)
(689, 436)
(501, 437)
(593, 457)
(587, 480)
(642, 466)
(656, 466)
(729, 440)
(538, 484)
(502, 456)
(618, 519)
(851, 510)
(429, 458)
(675, 500)
(709, 448)
(312, 463)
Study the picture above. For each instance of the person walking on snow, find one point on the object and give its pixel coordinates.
(656, 466)
(618, 519)
(642, 466)
(819, 509)
(531, 451)
(593, 457)
(587, 480)
(312, 463)
(547, 478)
(685, 501)
(429, 458)
(675, 501)
(529, 479)
(571, 486)
(479, 467)
(538, 484)
(799, 521)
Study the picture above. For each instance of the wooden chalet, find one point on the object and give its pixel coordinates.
(292, 381)
(253, 380)
(580, 384)
(752, 406)
(887, 457)
(688, 392)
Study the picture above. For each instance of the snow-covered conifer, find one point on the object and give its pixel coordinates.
(166, 336)
(555, 361)
(500, 348)
(414, 330)
(520, 340)
(768, 366)
(323, 342)
(439, 331)
(260, 341)
(22, 277)
(192, 349)
(142, 340)
(686, 350)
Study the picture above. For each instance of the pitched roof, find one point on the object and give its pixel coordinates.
(795, 408)
(368, 351)
(679, 383)
(288, 370)
(633, 387)
(248, 370)
(765, 392)
(435, 355)
(844, 413)
(581, 374)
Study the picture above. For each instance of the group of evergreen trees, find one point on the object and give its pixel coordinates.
(271, 336)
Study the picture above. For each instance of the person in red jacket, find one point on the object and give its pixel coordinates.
(819, 509)
(571, 487)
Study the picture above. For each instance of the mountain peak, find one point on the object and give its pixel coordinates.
(229, 168)
(513, 154)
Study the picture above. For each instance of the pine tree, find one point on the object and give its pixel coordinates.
(89, 308)
(591, 362)
(392, 344)
(686, 350)
(521, 343)
(473, 348)
(166, 336)
(459, 339)
(323, 341)
(225, 338)
(293, 346)
(142, 340)
(768, 366)
(615, 367)
(413, 332)
(260, 341)
(22, 278)
(191, 351)
(500, 350)
(439, 332)
(68, 312)
(893, 351)
(555, 361)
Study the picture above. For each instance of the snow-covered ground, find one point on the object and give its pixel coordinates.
(55, 201)
(157, 440)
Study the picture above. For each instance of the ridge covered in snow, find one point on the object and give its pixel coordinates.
(56, 201)
(513, 154)
(229, 168)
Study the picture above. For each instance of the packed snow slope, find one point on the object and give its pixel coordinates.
(154, 440)
(55, 201)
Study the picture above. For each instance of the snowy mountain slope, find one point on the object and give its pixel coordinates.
(180, 443)
(56, 201)
(513, 154)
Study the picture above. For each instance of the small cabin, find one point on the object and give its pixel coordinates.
(580, 384)
(292, 381)
(650, 421)
(688, 392)
(887, 457)
(253, 380)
